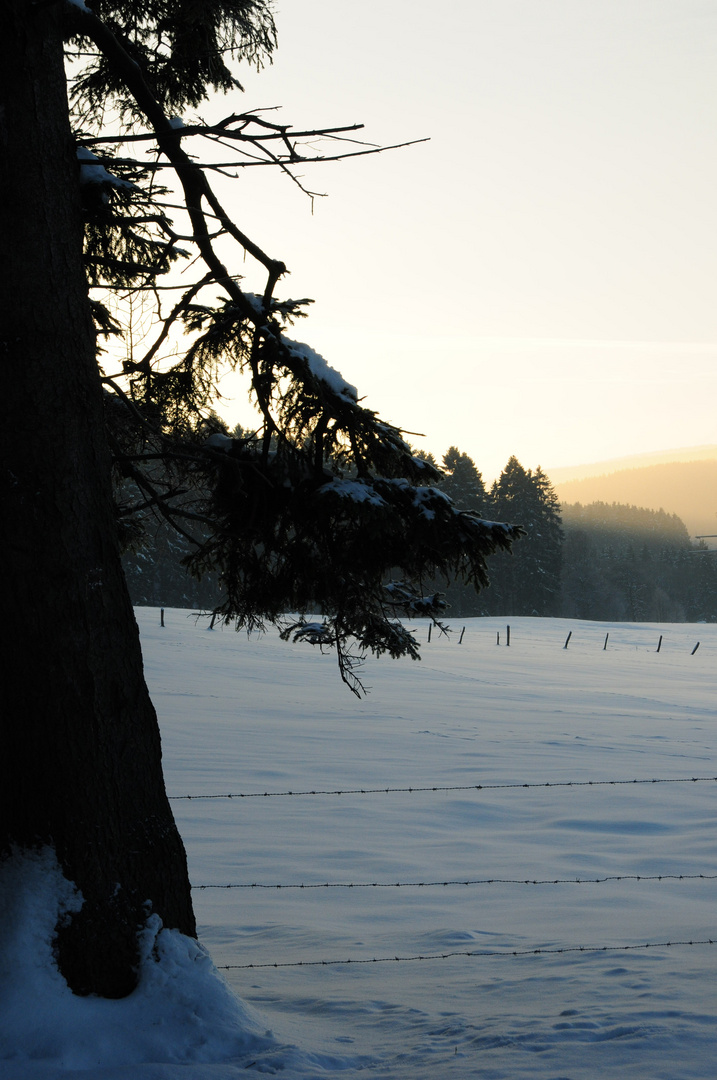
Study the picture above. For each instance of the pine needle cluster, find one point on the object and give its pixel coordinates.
(324, 509)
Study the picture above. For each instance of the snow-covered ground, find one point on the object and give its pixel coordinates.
(246, 716)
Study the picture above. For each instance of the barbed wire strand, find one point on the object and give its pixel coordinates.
(474, 952)
(470, 881)
(451, 787)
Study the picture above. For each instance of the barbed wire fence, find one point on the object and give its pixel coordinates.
(493, 953)
(417, 789)
(461, 882)
(591, 641)
(458, 882)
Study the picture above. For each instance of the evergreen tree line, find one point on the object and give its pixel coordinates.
(600, 561)
(630, 564)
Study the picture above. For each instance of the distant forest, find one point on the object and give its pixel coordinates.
(601, 561)
(687, 487)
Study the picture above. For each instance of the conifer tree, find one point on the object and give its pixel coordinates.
(462, 481)
(548, 533)
(527, 582)
(323, 507)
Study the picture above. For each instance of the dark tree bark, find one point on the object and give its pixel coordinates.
(80, 757)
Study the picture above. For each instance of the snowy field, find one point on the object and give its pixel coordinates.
(245, 716)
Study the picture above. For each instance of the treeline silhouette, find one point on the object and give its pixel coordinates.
(600, 561)
(686, 487)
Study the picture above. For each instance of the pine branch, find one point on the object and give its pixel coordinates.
(287, 531)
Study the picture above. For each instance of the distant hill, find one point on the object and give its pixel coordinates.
(563, 474)
(685, 488)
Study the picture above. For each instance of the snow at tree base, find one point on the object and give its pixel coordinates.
(246, 716)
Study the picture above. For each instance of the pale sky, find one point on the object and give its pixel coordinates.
(540, 278)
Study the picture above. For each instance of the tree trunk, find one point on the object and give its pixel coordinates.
(80, 756)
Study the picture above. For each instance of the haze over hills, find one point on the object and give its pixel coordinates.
(682, 482)
(564, 474)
